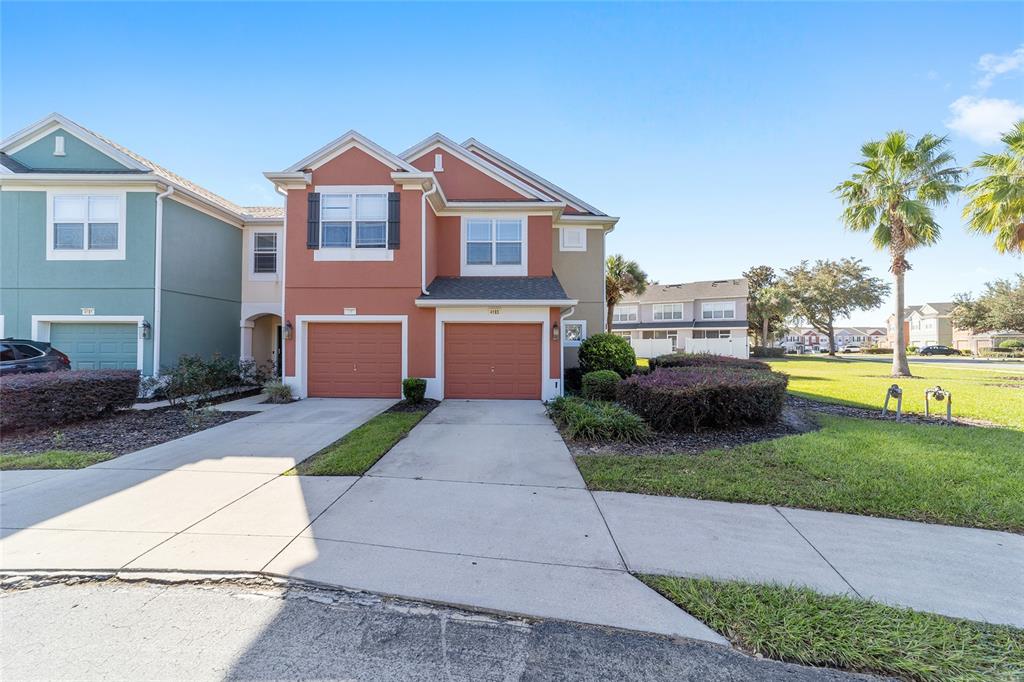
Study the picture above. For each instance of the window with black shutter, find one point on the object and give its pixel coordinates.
(394, 219)
(313, 221)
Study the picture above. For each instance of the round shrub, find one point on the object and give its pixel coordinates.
(607, 351)
(1011, 343)
(706, 360)
(600, 385)
(689, 398)
(414, 389)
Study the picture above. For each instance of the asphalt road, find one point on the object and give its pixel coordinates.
(944, 361)
(114, 630)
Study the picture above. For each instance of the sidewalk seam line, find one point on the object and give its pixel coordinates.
(817, 551)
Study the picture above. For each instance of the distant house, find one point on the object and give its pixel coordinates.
(890, 334)
(931, 324)
(808, 339)
(695, 317)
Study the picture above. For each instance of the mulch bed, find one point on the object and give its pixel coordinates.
(125, 431)
(427, 406)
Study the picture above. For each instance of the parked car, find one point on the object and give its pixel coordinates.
(22, 356)
(938, 350)
(851, 349)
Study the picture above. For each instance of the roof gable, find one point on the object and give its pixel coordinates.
(84, 150)
(351, 139)
(475, 162)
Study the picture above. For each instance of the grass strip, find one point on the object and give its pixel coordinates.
(52, 459)
(359, 449)
(970, 477)
(799, 625)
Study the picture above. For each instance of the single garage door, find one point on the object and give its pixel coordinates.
(97, 345)
(354, 360)
(492, 361)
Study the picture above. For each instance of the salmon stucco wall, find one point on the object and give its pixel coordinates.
(462, 182)
(539, 246)
(352, 167)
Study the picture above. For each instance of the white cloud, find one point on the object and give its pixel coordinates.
(994, 65)
(983, 119)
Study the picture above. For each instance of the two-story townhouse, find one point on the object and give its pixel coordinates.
(865, 337)
(930, 325)
(447, 262)
(114, 259)
(694, 317)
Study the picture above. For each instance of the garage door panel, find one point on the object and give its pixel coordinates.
(97, 345)
(355, 360)
(492, 361)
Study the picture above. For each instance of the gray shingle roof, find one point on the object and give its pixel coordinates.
(495, 289)
(672, 293)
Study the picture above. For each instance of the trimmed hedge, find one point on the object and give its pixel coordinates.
(1011, 343)
(600, 385)
(597, 420)
(877, 351)
(689, 398)
(414, 389)
(607, 351)
(706, 360)
(769, 352)
(36, 400)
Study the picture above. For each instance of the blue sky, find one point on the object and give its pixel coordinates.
(716, 131)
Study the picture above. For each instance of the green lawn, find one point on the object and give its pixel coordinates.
(964, 476)
(799, 625)
(52, 459)
(360, 448)
(991, 394)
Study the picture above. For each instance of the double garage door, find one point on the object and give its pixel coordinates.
(97, 345)
(364, 360)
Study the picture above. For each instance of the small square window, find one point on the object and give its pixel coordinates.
(574, 332)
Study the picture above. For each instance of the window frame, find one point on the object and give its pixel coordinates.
(495, 269)
(583, 333)
(635, 314)
(86, 253)
(709, 306)
(658, 309)
(352, 252)
(265, 276)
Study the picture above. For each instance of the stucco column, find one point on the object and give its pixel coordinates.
(246, 353)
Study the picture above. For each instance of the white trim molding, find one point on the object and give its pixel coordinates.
(493, 303)
(300, 380)
(550, 388)
(340, 145)
(41, 328)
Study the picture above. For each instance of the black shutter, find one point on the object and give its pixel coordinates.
(394, 219)
(313, 221)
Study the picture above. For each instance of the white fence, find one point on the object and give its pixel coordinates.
(651, 348)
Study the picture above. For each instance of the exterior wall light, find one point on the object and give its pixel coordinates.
(555, 332)
(147, 330)
(288, 329)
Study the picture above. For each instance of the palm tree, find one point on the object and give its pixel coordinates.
(622, 277)
(996, 203)
(891, 195)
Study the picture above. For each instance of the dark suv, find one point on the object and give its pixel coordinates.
(21, 356)
(938, 350)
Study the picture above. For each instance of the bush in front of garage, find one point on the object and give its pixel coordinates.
(607, 351)
(414, 390)
(600, 385)
(706, 360)
(37, 400)
(597, 420)
(195, 379)
(689, 398)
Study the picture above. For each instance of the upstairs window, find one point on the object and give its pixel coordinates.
(494, 246)
(361, 219)
(718, 310)
(668, 311)
(624, 313)
(86, 227)
(264, 253)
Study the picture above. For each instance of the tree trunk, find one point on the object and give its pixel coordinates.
(764, 332)
(608, 322)
(900, 366)
(831, 339)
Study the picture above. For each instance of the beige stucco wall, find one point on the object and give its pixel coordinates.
(582, 276)
(255, 289)
(264, 342)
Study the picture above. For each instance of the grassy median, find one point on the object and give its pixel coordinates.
(963, 476)
(802, 626)
(359, 449)
(52, 459)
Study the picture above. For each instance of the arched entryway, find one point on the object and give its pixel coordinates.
(261, 340)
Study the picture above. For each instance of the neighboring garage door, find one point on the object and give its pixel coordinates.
(354, 360)
(97, 345)
(492, 361)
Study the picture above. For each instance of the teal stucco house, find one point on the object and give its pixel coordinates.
(115, 260)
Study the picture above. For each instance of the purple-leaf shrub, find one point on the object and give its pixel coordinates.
(48, 399)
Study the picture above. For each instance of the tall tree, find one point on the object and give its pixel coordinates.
(763, 314)
(996, 202)
(827, 290)
(999, 308)
(892, 195)
(774, 306)
(622, 277)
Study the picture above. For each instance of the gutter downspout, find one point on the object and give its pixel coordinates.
(158, 277)
(561, 349)
(284, 264)
(423, 237)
